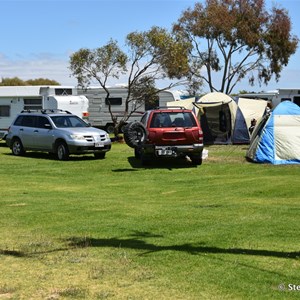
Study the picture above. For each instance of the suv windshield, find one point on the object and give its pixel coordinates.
(68, 121)
(172, 119)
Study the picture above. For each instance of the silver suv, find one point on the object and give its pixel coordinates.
(58, 132)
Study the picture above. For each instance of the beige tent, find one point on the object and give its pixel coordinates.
(223, 120)
(186, 103)
(252, 109)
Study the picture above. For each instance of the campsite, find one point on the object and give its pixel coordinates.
(220, 221)
(112, 229)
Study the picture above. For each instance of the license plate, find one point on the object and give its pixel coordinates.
(97, 145)
(165, 152)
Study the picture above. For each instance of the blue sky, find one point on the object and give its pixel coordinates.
(38, 36)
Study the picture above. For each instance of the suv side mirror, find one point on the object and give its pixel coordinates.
(47, 126)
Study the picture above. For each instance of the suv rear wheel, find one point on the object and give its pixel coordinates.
(62, 151)
(196, 159)
(17, 147)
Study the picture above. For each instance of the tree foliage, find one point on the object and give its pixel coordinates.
(42, 81)
(88, 65)
(152, 55)
(237, 38)
(15, 81)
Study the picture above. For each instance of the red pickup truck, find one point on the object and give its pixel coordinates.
(166, 132)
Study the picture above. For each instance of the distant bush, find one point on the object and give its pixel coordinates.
(15, 81)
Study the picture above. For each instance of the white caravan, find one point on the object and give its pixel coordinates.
(276, 96)
(14, 99)
(281, 95)
(99, 115)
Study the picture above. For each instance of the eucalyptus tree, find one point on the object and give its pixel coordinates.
(151, 56)
(237, 39)
(100, 65)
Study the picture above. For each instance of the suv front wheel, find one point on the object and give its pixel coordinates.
(62, 151)
(99, 155)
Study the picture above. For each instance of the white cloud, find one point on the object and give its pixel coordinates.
(56, 67)
(38, 66)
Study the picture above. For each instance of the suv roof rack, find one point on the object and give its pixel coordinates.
(30, 110)
(172, 107)
(45, 111)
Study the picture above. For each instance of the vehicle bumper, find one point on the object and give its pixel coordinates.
(77, 148)
(173, 151)
(3, 134)
(7, 142)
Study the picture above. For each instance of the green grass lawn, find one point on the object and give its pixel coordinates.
(112, 229)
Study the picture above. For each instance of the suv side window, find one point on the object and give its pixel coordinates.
(26, 121)
(42, 121)
(18, 121)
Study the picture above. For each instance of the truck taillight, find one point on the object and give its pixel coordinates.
(85, 114)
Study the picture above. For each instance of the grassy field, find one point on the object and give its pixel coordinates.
(112, 229)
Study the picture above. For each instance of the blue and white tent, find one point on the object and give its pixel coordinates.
(276, 139)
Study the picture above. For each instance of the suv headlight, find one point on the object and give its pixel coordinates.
(77, 137)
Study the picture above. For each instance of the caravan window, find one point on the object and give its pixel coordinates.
(285, 99)
(297, 100)
(32, 104)
(113, 101)
(4, 110)
(63, 92)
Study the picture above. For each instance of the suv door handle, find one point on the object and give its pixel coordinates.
(35, 131)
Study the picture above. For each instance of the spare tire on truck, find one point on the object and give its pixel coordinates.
(135, 134)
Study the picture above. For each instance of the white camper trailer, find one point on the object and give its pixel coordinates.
(14, 99)
(281, 95)
(99, 115)
(276, 96)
